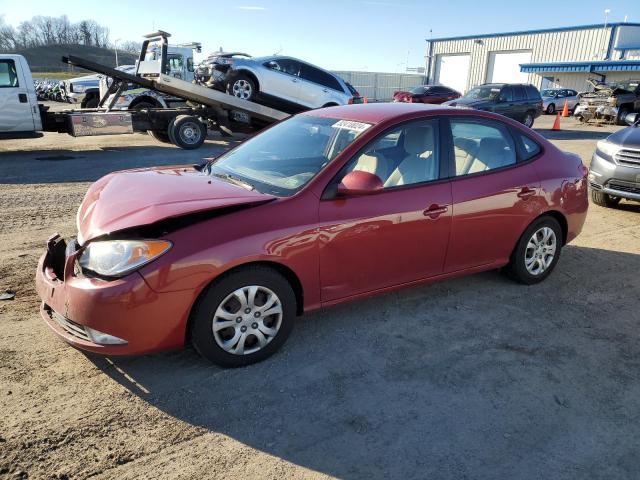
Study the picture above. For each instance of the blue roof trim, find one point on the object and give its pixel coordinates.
(632, 47)
(577, 67)
(528, 32)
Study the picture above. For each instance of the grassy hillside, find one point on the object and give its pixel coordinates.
(48, 59)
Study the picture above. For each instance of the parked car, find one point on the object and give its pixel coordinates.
(287, 84)
(553, 99)
(328, 206)
(611, 102)
(433, 94)
(615, 166)
(518, 101)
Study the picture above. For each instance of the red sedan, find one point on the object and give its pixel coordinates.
(331, 205)
(433, 94)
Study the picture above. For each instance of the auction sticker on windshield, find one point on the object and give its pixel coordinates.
(351, 125)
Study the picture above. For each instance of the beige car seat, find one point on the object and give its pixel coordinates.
(420, 165)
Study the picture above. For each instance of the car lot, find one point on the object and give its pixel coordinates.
(470, 378)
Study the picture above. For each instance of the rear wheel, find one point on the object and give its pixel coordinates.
(187, 132)
(143, 106)
(622, 113)
(91, 102)
(537, 252)
(604, 199)
(527, 120)
(244, 317)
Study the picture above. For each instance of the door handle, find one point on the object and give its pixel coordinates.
(325, 90)
(526, 192)
(294, 80)
(434, 211)
(22, 97)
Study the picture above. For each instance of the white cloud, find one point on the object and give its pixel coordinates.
(251, 7)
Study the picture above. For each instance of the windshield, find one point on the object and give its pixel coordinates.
(483, 93)
(286, 157)
(417, 90)
(548, 93)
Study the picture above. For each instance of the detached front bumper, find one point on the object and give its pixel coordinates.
(126, 308)
(614, 179)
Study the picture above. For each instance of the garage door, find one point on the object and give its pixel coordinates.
(505, 67)
(453, 71)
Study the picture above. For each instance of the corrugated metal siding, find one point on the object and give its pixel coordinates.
(560, 46)
(379, 86)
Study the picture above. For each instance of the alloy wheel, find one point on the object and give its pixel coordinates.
(247, 320)
(540, 251)
(190, 133)
(242, 89)
(528, 120)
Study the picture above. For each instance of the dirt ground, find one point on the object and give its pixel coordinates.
(474, 378)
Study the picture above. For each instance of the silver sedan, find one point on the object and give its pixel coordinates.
(553, 99)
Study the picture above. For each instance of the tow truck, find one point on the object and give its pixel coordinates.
(185, 127)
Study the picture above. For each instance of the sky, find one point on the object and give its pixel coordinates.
(367, 35)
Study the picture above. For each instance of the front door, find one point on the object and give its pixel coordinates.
(281, 80)
(494, 196)
(15, 110)
(393, 237)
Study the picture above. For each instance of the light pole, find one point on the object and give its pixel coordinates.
(115, 47)
(606, 18)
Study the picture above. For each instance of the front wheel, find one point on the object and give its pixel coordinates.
(187, 132)
(242, 86)
(244, 317)
(537, 252)
(551, 109)
(622, 113)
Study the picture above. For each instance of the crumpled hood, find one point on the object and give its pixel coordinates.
(133, 198)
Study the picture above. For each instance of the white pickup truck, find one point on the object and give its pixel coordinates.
(19, 110)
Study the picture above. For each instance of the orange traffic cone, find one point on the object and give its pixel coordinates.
(565, 110)
(556, 124)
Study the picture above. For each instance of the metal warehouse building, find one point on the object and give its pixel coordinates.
(556, 57)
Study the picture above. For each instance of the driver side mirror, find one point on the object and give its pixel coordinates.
(273, 65)
(631, 118)
(359, 182)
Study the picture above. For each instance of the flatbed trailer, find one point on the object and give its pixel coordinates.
(185, 127)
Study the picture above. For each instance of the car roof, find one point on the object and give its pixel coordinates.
(375, 112)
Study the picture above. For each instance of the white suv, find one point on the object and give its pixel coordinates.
(287, 84)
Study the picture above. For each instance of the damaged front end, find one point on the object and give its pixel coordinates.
(605, 102)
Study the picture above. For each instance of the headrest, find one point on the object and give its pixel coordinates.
(492, 146)
(418, 140)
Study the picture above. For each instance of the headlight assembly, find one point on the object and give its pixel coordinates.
(607, 148)
(116, 258)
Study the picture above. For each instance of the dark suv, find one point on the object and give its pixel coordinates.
(515, 100)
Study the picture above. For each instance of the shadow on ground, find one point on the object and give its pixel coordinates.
(471, 378)
(62, 166)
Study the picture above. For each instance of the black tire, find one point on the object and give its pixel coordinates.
(242, 83)
(143, 106)
(517, 269)
(91, 102)
(187, 132)
(204, 312)
(551, 109)
(622, 113)
(604, 199)
(162, 137)
(528, 119)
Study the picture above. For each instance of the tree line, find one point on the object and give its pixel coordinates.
(42, 31)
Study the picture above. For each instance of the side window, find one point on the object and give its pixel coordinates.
(316, 75)
(529, 148)
(480, 146)
(532, 93)
(190, 64)
(506, 94)
(284, 65)
(403, 156)
(519, 93)
(8, 74)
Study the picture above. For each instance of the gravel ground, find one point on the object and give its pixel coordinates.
(471, 378)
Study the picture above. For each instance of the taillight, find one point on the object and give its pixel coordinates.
(410, 99)
(351, 101)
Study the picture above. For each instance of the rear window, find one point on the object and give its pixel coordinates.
(532, 92)
(530, 148)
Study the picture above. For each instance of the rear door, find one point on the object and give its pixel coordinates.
(15, 110)
(505, 105)
(495, 196)
(317, 87)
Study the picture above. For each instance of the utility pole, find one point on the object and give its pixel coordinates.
(115, 46)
